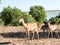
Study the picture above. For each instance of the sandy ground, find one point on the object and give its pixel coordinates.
(16, 41)
(5, 39)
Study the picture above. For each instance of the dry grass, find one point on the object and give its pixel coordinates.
(4, 29)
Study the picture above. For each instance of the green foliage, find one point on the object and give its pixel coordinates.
(15, 16)
(58, 18)
(28, 18)
(38, 13)
(1, 21)
(6, 15)
(11, 16)
(54, 20)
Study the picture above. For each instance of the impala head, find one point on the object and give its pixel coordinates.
(21, 20)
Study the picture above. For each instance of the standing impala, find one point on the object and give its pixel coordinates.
(53, 28)
(29, 27)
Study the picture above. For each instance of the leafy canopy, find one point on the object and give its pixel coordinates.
(6, 15)
(28, 18)
(38, 13)
(11, 16)
(55, 20)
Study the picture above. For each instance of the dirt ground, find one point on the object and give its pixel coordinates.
(18, 41)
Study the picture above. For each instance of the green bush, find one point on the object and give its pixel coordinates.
(38, 13)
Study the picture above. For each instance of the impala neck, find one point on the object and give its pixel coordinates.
(24, 23)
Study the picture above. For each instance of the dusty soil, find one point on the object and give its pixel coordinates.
(17, 41)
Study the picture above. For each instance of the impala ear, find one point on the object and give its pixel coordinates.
(21, 17)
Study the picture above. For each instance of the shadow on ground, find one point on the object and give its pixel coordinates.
(13, 35)
(23, 35)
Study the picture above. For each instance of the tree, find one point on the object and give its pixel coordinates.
(1, 22)
(52, 20)
(11, 16)
(28, 18)
(16, 14)
(6, 15)
(38, 13)
(58, 18)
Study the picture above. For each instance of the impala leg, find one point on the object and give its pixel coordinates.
(45, 34)
(33, 35)
(58, 34)
(28, 35)
(52, 34)
(48, 34)
(38, 35)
